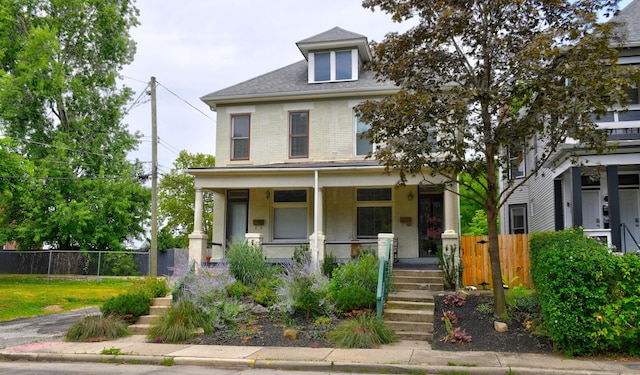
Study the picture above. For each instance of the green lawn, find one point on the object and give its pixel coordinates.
(24, 296)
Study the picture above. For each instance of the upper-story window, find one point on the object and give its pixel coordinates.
(299, 134)
(333, 66)
(516, 163)
(240, 128)
(363, 143)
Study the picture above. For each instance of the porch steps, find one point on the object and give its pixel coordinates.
(158, 306)
(410, 310)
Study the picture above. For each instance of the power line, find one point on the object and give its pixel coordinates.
(189, 104)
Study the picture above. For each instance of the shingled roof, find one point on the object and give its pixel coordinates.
(630, 17)
(292, 80)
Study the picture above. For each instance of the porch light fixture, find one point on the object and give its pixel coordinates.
(267, 194)
(410, 196)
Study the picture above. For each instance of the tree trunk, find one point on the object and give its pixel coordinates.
(499, 303)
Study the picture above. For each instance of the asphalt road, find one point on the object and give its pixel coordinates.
(50, 327)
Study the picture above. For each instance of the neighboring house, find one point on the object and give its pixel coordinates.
(291, 165)
(602, 194)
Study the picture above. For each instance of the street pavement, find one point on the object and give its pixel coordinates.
(42, 341)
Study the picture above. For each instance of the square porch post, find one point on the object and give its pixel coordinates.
(198, 239)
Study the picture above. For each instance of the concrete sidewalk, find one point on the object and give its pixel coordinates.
(401, 357)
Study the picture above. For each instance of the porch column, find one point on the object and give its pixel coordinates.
(451, 243)
(317, 251)
(197, 239)
(614, 206)
(321, 247)
(450, 211)
(576, 191)
(382, 245)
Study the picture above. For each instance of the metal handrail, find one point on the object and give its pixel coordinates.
(625, 230)
(382, 275)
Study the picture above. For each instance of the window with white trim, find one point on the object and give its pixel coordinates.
(516, 163)
(373, 212)
(299, 134)
(363, 145)
(240, 129)
(518, 218)
(331, 66)
(290, 215)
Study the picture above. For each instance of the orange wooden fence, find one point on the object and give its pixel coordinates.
(514, 260)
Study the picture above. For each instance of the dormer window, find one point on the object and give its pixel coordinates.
(332, 66)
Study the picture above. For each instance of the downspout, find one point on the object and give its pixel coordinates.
(315, 219)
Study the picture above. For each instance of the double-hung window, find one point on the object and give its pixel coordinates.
(240, 129)
(290, 215)
(333, 66)
(518, 218)
(299, 134)
(363, 143)
(516, 163)
(373, 212)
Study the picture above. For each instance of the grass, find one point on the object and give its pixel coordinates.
(25, 296)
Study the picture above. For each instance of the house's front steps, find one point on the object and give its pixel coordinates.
(410, 310)
(143, 324)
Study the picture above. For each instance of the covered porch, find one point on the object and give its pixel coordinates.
(333, 208)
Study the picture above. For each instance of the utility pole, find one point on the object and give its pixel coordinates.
(153, 251)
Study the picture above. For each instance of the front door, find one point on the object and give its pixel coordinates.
(237, 215)
(591, 209)
(629, 219)
(430, 223)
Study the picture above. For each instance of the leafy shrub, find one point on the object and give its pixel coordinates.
(329, 263)
(588, 296)
(118, 263)
(97, 328)
(363, 331)
(238, 290)
(153, 286)
(247, 263)
(266, 293)
(354, 285)
(301, 254)
(130, 305)
(176, 324)
(524, 306)
(304, 290)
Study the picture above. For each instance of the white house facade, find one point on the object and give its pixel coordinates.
(291, 166)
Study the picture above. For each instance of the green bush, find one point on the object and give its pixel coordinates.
(97, 328)
(304, 290)
(589, 297)
(128, 305)
(301, 254)
(266, 293)
(153, 286)
(329, 264)
(118, 263)
(247, 263)
(363, 331)
(354, 285)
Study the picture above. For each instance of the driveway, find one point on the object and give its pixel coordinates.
(50, 327)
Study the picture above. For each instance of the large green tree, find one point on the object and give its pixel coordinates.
(480, 78)
(177, 197)
(61, 102)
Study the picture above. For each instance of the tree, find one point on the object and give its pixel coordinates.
(468, 207)
(60, 101)
(478, 79)
(15, 173)
(177, 197)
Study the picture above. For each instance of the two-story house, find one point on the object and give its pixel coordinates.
(291, 166)
(600, 193)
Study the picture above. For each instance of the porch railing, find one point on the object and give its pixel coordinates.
(383, 275)
(626, 231)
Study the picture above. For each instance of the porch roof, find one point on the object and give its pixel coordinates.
(283, 175)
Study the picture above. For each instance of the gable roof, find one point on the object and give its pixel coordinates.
(332, 35)
(629, 17)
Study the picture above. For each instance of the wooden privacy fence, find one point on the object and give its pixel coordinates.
(514, 260)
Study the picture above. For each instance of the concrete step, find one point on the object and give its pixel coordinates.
(417, 273)
(417, 279)
(409, 305)
(139, 329)
(147, 319)
(162, 301)
(409, 326)
(411, 295)
(413, 316)
(419, 286)
(158, 310)
(416, 336)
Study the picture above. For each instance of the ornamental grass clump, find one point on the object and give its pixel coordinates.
(247, 263)
(95, 328)
(364, 331)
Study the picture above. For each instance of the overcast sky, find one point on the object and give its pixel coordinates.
(194, 47)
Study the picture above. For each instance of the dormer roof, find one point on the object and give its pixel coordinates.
(336, 38)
